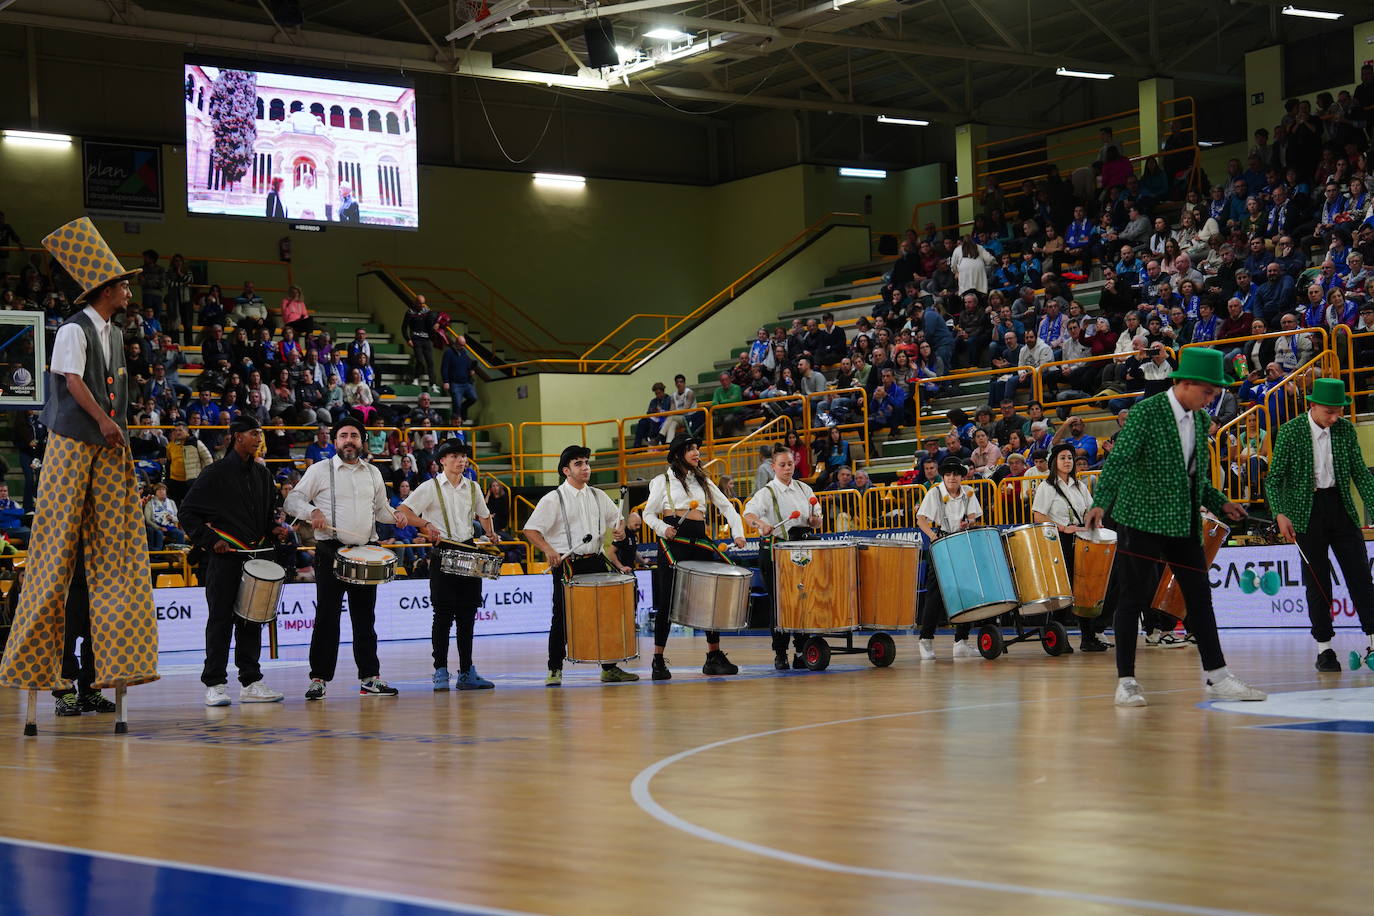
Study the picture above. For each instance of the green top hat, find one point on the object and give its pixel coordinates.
(1329, 392)
(1201, 364)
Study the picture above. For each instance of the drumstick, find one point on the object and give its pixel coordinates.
(352, 534)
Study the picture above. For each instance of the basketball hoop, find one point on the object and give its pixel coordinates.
(474, 10)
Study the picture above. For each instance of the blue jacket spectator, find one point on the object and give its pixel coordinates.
(1274, 296)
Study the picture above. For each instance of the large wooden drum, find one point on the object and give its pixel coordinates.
(816, 586)
(599, 617)
(1037, 566)
(1168, 596)
(889, 583)
(1094, 552)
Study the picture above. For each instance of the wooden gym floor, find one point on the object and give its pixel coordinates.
(1012, 786)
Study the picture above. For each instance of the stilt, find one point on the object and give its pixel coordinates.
(121, 712)
(272, 638)
(31, 715)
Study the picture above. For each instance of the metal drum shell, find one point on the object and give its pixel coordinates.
(1168, 596)
(351, 566)
(975, 578)
(599, 617)
(710, 596)
(260, 591)
(820, 595)
(889, 573)
(466, 561)
(1094, 553)
(1036, 554)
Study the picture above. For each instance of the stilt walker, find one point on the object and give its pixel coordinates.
(87, 496)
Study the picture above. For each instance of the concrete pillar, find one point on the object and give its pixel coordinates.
(1151, 93)
(967, 139)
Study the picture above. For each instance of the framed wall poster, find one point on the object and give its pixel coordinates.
(122, 179)
(23, 354)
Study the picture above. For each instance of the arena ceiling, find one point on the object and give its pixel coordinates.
(946, 61)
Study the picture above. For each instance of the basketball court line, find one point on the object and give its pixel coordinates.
(70, 868)
(642, 794)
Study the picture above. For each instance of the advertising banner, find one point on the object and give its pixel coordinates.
(122, 178)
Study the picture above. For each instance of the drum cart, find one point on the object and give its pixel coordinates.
(816, 651)
(1051, 635)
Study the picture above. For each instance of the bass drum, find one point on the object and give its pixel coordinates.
(599, 617)
(975, 579)
(889, 583)
(1094, 552)
(816, 586)
(710, 596)
(1168, 596)
(1037, 567)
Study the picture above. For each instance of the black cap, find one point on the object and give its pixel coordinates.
(571, 454)
(345, 421)
(451, 446)
(681, 444)
(953, 466)
(244, 423)
(1061, 447)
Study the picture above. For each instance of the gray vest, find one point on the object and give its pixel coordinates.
(109, 385)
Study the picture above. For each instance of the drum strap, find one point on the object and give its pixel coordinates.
(1073, 513)
(443, 507)
(333, 501)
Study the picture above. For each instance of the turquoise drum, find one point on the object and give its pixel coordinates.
(975, 578)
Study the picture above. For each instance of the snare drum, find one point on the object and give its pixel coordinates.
(460, 560)
(260, 591)
(1168, 597)
(889, 583)
(1094, 550)
(710, 596)
(599, 617)
(366, 564)
(1037, 567)
(975, 580)
(816, 586)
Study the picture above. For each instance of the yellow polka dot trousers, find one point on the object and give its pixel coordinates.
(87, 495)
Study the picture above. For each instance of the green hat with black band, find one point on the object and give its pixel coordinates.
(1329, 392)
(1201, 364)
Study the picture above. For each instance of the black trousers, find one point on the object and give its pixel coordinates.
(558, 634)
(780, 639)
(1136, 559)
(455, 600)
(221, 573)
(1329, 531)
(78, 626)
(688, 529)
(933, 609)
(362, 612)
(424, 358)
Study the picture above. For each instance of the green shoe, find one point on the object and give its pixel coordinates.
(555, 679)
(67, 704)
(614, 675)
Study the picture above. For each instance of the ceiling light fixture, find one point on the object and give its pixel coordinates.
(37, 138)
(1083, 74)
(666, 34)
(1291, 10)
(910, 122)
(559, 180)
(862, 173)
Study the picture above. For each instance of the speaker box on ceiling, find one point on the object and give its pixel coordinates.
(599, 35)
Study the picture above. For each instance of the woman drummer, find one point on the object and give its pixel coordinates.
(949, 508)
(676, 512)
(1062, 500)
(785, 509)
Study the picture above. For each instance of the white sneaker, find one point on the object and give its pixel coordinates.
(217, 695)
(1153, 637)
(927, 647)
(258, 692)
(1129, 693)
(1170, 641)
(964, 649)
(1233, 688)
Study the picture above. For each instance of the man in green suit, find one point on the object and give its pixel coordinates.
(1316, 457)
(1155, 484)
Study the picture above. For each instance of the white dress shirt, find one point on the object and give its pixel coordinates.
(69, 348)
(578, 524)
(947, 512)
(668, 496)
(352, 501)
(1323, 469)
(795, 497)
(1065, 510)
(1186, 436)
(463, 499)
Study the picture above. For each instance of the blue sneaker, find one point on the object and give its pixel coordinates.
(471, 680)
(441, 679)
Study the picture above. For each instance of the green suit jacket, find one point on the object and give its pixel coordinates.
(1290, 481)
(1144, 483)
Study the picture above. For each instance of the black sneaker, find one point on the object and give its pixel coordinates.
(94, 702)
(780, 661)
(1092, 644)
(376, 687)
(659, 671)
(1327, 661)
(1068, 648)
(68, 705)
(798, 662)
(717, 664)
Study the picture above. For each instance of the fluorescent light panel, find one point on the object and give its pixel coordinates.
(1084, 74)
(36, 138)
(912, 122)
(863, 173)
(667, 34)
(1310, 14)
(555, 178)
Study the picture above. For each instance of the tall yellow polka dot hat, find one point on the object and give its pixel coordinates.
(80, 249)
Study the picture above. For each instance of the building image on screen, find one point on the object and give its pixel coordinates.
(299, 148)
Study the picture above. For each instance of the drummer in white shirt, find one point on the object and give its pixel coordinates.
(787, 510)
(1062, 499)
(946, 509)
(341, 498)
(569, 527)
(443, 508)
(676, 512)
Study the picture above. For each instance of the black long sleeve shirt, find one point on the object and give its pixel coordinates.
(233, 495)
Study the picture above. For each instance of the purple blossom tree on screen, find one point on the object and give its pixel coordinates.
(233, 101)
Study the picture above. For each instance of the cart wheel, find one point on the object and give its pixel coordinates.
(990, 644)
(1054, 637)
(816, 654)
(882, 651)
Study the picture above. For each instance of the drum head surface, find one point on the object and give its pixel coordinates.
(605, 578)
(1098, 535)
(708, 568)
(265, 570)
(366, 553)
